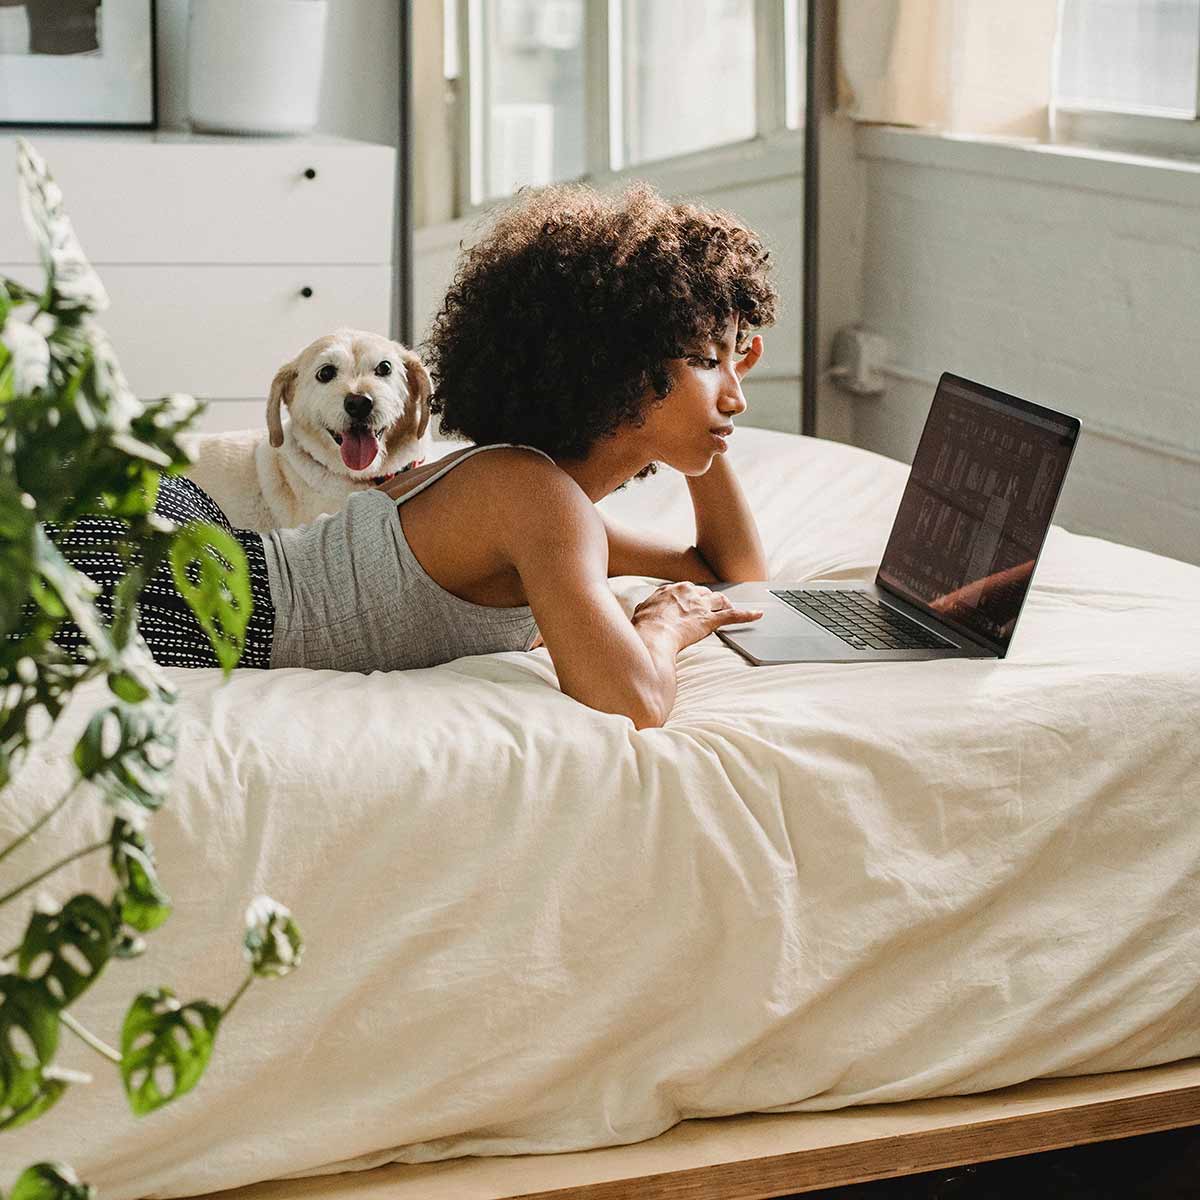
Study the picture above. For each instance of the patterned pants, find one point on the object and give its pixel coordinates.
(170, 629)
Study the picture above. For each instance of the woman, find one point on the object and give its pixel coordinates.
(584, 339)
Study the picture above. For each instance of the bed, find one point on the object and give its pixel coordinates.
(532, 929)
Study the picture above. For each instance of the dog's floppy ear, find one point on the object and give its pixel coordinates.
(420, 387)
(282, 388)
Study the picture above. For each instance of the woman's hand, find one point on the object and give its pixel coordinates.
(690, 611)
(752, 355)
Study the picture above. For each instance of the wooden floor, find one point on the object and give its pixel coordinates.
(753, 1157)
(1151, 1166)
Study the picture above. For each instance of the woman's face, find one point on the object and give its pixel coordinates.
(691, 426)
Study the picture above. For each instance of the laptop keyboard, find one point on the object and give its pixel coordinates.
(861, 621)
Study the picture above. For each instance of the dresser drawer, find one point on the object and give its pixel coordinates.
(191, 200)
(222, 332)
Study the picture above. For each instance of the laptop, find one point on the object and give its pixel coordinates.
(980, 497)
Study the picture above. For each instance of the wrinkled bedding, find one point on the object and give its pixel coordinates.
(532, 928)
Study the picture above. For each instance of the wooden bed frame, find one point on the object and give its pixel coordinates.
(765, 1155)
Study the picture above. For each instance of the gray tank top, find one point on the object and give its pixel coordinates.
(350, 595)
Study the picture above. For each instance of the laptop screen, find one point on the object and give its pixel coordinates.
(979, 500)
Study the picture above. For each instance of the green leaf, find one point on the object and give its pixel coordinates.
(75, 590)
(17, 524)
(17, 292)
(83, 923)
(50, 1181)
(169, 416)
(160, 1035)
(125, 750)
(220, 593)
(28, 1040)
(129, 945)
(272, 943)
(143, 903)
(56, 675)
(49, 1092)
(126, 687)
(152, 549)
(136, 449)
(28, 354)
(72, 282)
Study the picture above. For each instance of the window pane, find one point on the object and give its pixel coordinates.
(533, 93)
(1129, 54)
(795, 24)
(688, 75)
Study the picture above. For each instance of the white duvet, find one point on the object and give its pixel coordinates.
(532, 928)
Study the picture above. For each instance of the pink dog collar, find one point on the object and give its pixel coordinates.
(416, 462)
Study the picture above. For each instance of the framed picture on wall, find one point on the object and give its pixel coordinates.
(77, 62)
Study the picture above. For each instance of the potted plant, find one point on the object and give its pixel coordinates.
(75, 440)
(254, 66)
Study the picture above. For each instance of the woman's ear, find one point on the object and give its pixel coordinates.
(420, 387)
(283, 387)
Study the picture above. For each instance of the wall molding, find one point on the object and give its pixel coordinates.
(1141, 176)
(1103, 429)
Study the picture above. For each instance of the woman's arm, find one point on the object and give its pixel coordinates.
(634, 553)
(554, 537)
(726, 534)
(727, 549)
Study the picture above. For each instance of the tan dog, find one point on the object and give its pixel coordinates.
(358, 407)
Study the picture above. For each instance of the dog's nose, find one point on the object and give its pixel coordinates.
(358, 406)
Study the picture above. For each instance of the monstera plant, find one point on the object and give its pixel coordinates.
(75, 441)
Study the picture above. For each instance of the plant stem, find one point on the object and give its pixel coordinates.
(62, 862)
(237, 995)
(30, 832)
(91, 1039)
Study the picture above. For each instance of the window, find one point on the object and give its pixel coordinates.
(531, 92)
(568, 89)
(687, 76)
(1130, 55)
(1127, 74)
(795, 41)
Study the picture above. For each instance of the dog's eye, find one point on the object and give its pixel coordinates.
(327, 372)
(384, 368)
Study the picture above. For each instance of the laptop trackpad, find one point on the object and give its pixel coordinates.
(789, 648)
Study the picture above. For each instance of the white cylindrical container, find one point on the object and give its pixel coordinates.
(254, 66)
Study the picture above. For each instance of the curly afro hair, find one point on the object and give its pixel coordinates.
(558, 325)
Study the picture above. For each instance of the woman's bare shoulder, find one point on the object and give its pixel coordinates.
(495, 471)
(512, 468)
(527, 491)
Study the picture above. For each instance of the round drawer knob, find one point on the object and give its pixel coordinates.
(306, 292)
(310, 173)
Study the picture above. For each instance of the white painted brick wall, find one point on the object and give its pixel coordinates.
(1025, 273)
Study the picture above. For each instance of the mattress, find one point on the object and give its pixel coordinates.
(532, 928)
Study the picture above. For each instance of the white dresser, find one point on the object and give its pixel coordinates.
(223, 257)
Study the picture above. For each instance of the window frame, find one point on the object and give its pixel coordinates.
(762, 156)
(1158, 135)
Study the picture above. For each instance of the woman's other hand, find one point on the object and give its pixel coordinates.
(752, 355)
(690, 611)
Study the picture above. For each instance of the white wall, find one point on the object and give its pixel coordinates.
(1067, 279)
(360, 94)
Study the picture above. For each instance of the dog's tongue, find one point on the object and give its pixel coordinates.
(359, 448)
